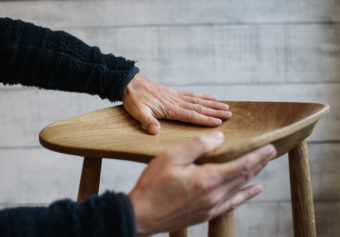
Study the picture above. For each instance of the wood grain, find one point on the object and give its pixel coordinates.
(301, 192)
(222, 226)
(25, 111)
(280, 40)
(179, 233)
(90, 177)
(112, 133)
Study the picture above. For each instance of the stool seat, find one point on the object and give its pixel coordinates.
(112, 133)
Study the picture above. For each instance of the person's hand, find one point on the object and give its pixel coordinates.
(148, 101)
(173, 192)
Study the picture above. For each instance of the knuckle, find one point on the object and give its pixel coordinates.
(246, 170)
(205, 216)
(260, 153)
(195, 100)
(212, 212)
(211, 176)
(197, 186)
(199, 140)
(168, 153)
(232, 206)
(211, 203)
(209, 215)
(214, 201)
(190, 116)
(199, 108)
(200, 184)
(170, 111)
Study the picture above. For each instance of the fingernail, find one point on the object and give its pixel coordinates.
(228, 113)
(224, 106)
(218, 134)
(271, 151)
(212, 97)
(153, 129)
(218, 121)
(257, 189)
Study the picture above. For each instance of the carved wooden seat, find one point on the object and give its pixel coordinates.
(112, 133)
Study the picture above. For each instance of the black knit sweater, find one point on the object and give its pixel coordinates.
(36, 56)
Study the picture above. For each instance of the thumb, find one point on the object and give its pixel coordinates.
(149, 122)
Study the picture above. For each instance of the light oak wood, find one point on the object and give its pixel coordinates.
(90, 177)
(301, 192)
(112, 133)
(179, 233)
(25, 111)
(222, 226)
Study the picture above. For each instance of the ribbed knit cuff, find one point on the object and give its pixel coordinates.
(129, 219)
(134, 70)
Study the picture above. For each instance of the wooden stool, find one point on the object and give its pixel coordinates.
(112, 133)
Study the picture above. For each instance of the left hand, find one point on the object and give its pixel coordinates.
(148, 101)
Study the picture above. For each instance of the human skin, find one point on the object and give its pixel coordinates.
(173, 192)
(148, 101)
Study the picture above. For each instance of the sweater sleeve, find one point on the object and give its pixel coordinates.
(35, 56)
(106, 215)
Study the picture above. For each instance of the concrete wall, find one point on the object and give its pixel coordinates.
(274, 50)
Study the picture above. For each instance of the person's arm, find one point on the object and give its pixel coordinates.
(105, 215)
(173, 192)
(35, 56)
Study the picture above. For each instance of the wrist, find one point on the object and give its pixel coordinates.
(133, 83)
(141, 222)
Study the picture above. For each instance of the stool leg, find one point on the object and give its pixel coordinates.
(222, 226)
(179, 233)
(90, 177)
(301, 192)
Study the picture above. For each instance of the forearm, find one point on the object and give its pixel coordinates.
(106, 215)
(34, 56)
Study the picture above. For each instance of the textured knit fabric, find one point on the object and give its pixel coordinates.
(35, 56)
(106, 215)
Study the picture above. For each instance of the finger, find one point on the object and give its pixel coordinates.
(226, 190)
(206, 103)
(213, 195)
(197, 95)
(191, 150)
(236, 200)
(247, 165)
(207, 111)
(145, 117)
(190, 116)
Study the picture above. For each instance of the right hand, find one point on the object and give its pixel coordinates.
(173, 192)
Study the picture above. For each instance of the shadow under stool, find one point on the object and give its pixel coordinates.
(112, 133)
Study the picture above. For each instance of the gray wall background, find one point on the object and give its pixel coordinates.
(277, 50)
